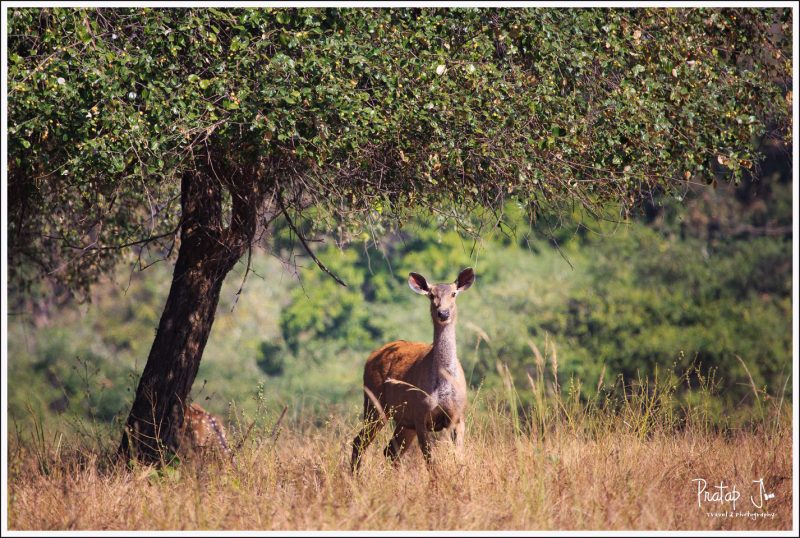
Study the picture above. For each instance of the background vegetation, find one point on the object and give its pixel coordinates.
(706, 282)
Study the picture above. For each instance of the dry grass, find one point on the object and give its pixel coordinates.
(625, 458)
(561, 478)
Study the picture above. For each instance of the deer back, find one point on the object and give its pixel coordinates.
(201, 431)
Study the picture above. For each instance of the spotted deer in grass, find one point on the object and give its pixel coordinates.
(202, 434)
(420, 386)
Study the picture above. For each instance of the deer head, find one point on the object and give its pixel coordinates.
(442, 296)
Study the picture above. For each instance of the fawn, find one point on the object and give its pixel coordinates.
(201, 433)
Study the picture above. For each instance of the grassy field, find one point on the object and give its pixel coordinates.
(556, 437)
(562, 463)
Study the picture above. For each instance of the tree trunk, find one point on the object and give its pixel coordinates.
(206, 254)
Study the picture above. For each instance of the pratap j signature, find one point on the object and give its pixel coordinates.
(723, 493)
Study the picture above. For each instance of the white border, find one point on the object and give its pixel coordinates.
(4, 269)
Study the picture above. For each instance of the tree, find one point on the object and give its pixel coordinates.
(150, 129)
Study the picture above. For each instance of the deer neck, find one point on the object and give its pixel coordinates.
(443, 354)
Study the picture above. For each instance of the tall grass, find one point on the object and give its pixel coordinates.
(542, 456)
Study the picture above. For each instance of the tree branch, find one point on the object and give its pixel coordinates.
(93, 245)
(303, 241)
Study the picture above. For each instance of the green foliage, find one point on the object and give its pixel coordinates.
(321, 308)
(365, 118)
(639, 299)
(371, 110)
(272, 360)
(69, 374)
(652, 298)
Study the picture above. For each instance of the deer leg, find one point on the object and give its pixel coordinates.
(457, 434)
(424, 438)
(401, 440)
(371, 427)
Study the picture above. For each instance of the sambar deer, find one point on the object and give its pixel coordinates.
(420, 386)
(201, 433)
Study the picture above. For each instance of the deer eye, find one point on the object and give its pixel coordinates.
(454, 294)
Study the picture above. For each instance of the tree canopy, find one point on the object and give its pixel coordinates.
(361, 114)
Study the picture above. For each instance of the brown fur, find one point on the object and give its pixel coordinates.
(420, 386)
(202, 433)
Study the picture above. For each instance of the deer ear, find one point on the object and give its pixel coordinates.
(465, 279)
(418, 283)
